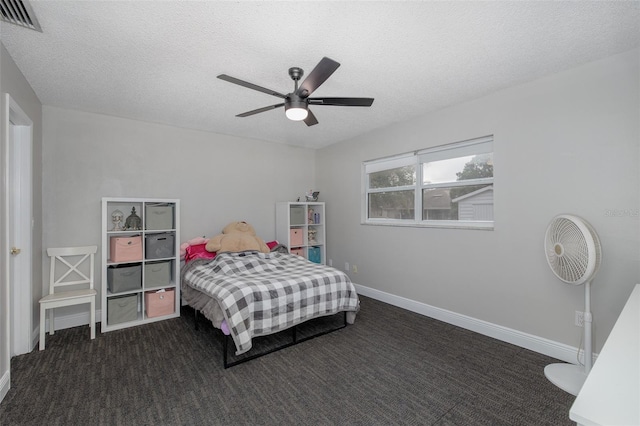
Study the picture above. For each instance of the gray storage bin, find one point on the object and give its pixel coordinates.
(297, 215)
(124, 278)
(122, 309)
(158, 246)
(157, 274)
(158, 217)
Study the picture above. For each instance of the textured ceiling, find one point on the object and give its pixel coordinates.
(158, 61)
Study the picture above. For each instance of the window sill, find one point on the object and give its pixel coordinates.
(445, 224)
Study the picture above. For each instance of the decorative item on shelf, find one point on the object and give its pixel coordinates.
(116, 219)
(310, 216)
(133, 222)
(312, 195)
(312, 236)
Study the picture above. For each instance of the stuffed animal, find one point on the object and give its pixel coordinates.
(236, 237)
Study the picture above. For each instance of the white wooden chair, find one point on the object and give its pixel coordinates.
(70, 275)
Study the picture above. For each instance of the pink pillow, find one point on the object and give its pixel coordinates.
(197, 251)
(272, 244)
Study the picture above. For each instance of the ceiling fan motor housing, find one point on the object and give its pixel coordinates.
(294, 101)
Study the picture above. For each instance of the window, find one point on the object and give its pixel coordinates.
(452, 185)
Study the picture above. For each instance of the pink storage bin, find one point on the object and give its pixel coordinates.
(158, 303)
(125, 249)
(295, 237)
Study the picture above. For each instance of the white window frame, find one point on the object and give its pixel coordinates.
(417, 158)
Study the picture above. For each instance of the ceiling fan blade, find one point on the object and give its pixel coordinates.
(361, 102)
(317, 76)
(250, 85)
(311, 119)
(259, 110)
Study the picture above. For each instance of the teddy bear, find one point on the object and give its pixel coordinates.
(236, 237)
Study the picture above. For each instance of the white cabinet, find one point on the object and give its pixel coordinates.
(301, 227)
(140, 261)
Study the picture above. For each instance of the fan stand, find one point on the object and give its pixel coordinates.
(570, 377)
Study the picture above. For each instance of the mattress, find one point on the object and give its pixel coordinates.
(257, 294)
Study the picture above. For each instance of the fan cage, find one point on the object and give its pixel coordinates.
(573, 249)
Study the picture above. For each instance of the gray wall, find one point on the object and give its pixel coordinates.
(218, 178)
(568, 143)
(13, 82)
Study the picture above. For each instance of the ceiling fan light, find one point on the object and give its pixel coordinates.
(295, 109)
(296, 113)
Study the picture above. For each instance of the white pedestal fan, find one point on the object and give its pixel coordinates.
(573, 252)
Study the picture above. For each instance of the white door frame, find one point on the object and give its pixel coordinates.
(18, 211)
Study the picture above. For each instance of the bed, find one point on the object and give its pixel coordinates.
(251, 294)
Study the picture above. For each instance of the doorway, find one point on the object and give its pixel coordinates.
(18, 211)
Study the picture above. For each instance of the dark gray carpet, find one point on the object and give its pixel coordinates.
(391, 367)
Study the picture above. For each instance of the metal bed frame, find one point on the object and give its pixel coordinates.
(294, 341)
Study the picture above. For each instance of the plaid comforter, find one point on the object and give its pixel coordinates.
(263, 293)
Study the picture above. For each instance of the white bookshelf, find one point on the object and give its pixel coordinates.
(146, 262)
(307, 218)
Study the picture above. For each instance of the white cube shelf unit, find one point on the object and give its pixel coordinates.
(140, 261)
(301, 227)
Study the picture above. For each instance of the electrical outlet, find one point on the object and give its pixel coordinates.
(355, 269)
(330, 262)
(346, 266)
(579, 319)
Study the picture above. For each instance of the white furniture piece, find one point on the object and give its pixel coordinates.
(611, 393)
(151, 227)
(308, 219)
(69, 267)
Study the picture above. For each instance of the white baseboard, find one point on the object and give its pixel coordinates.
(4, 385)
(538, 344)
(62, 322)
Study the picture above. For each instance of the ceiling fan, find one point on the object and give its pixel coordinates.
(296, 104)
